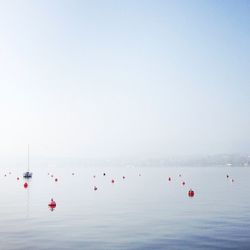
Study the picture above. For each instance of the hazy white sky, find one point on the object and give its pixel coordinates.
(124, 78)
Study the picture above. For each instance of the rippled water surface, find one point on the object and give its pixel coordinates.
(143, 211)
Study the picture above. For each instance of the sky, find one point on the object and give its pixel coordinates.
(117, 79)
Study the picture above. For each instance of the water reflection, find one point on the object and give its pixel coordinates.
(27, 187)
(51, 208)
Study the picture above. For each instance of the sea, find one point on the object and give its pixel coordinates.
(128, 208)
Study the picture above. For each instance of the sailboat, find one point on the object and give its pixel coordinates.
(28, 174)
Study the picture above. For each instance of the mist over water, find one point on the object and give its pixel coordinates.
(139, 90)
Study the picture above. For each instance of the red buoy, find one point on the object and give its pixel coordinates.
(25, 185)
(191, 193)
(113, 181)
(95, 188)
(52, 204)
(56, 179)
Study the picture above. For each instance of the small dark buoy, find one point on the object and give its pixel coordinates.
(25, 185)
(5, 175)
(17, 178)
(183, 183)
(169, 178)
(123, 177)
(139, 174)
(113, 181)
(179, 175)
(51, 176)
(232, 180)
(93, 176)
(191, 193)
(104, 174)
(73, 173)
(95, 188)
(227, 176)
(56, 179)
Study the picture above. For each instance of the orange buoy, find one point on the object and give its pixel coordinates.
(25, 185)
(191, 193)
(113, 181)
(56, 179)
(95, 188)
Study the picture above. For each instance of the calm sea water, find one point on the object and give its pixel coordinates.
(142, 211)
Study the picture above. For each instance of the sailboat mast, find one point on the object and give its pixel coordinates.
(28, 157)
